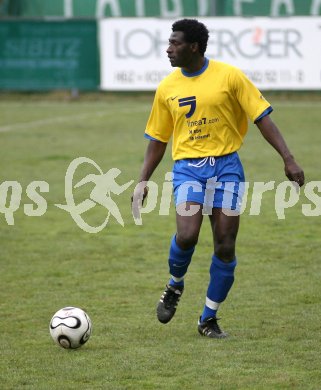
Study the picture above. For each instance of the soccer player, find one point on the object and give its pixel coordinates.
(204, 105)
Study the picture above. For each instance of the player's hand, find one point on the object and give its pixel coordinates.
(137, 199)
(294, 172)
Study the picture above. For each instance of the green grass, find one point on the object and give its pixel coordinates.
(273, 312)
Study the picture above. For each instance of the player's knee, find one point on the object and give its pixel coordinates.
(225, 250)
(186, 240)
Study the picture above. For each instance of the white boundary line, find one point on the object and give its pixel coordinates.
(62, 119)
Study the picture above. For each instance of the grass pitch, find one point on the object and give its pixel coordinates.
(273, 312)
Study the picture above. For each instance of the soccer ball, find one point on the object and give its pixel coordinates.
(70, 327)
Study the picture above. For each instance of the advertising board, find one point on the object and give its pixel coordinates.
(275, 53)
(45, 55)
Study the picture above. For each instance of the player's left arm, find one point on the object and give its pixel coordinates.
(273, 135)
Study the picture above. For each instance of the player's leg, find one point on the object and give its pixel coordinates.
(225, 229)
(189, 219)
(225, 224)
(184, 241)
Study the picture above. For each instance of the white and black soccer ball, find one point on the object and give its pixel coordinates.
(70, 327)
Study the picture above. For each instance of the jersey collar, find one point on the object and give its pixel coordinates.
(204, 67)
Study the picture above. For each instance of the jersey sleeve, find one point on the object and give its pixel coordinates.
(160, 122)
(249, 97)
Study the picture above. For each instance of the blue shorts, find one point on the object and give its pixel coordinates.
(217, 182)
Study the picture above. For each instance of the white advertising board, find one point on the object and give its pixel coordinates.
(276, 54)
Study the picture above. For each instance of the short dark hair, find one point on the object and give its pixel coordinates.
(194, 31)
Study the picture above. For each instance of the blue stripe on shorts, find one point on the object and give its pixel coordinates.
(211, 181)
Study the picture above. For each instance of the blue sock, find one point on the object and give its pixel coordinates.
(208, 313)
(173, 282)
(178, 262)
(221, 281)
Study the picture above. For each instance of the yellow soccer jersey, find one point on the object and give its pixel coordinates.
(206, 112)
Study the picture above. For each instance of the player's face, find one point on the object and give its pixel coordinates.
(180, 52)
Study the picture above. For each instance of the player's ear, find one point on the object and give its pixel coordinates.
(194, 47)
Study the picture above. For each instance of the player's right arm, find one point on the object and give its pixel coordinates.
(158, 130)
(153, 156)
